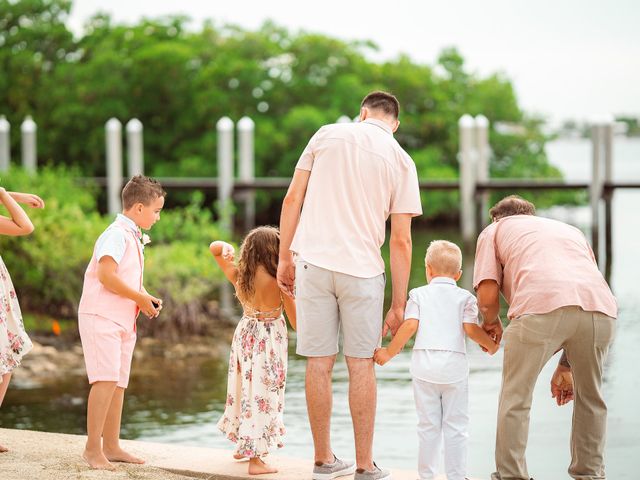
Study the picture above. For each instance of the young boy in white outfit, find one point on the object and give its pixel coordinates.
(441, 313)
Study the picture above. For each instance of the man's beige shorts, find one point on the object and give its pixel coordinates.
(325, 300)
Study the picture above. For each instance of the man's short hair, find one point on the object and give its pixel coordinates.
(382, 101)
(141, 189)
(512, 205)
(444, 257)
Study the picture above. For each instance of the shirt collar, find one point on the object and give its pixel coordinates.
(128, 223)
(379, 123)
(445, 280)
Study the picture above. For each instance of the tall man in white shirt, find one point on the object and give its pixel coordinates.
(351, 177)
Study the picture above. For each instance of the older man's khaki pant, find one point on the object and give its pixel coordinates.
(529, 342)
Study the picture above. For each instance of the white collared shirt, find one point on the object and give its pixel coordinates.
(439, 351)
(112, 242)
(359, 176)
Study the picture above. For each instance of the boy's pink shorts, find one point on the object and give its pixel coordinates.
(107, 347)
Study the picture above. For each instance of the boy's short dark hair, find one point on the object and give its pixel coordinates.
(141, 189)
(382, 101)
(512, 205)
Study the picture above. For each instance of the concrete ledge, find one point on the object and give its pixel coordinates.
(38, 455)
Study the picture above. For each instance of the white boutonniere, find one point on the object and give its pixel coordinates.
(145, 239)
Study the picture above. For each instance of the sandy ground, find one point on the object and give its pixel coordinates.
(38, 456)
(56, 456)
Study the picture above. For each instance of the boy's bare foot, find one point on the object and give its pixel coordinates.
(97, 461)
(3, 449)
(258, 467)
(120, 455)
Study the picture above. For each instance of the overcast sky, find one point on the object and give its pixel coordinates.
(567, 58)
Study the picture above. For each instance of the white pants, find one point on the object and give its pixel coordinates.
(442, 412)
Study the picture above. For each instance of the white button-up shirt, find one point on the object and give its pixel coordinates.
(359, 176)
(112, 242)
(439, 351)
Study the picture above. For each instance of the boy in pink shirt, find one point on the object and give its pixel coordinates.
(112, 297)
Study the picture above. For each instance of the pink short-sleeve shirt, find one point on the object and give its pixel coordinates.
(541, 265)
(359, 176)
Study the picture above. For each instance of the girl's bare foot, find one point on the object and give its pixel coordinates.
(3, 449)
(119, 455)
(258, 467)
(97, 461)
(239, 456)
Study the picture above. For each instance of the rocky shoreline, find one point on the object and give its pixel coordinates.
(53, 358)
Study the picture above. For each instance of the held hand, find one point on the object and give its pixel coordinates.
(382, 356)
(494, 330)
(150, 305)
(494, 348)
(393, 320)
(34, 201)
(286, 276)
(562, 385)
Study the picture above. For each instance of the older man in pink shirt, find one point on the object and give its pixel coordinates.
(557, 299)
(349, 179)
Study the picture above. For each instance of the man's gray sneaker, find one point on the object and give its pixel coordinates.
(327, 471)
(376, 474)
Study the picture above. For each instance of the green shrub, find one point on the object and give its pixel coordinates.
(193, 223)
(185, 276)
(48, 266)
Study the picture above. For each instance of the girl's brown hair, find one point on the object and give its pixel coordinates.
(259, 247)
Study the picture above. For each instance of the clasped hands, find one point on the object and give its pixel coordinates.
(561, 381)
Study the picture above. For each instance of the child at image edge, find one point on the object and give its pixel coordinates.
(112, 297)
(14, 342)
(252, 417)
(441, 313)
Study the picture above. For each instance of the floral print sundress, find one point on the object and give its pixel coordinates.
(14, 342)
(252, 417)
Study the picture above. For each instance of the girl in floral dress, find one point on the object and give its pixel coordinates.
(258, 362)
(14, 342)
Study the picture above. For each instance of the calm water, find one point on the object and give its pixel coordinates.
(180, 402)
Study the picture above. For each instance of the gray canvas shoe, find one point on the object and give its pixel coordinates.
(327, 471)
(376, 474)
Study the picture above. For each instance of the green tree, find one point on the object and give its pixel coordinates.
(179, 82)
(34, 41)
